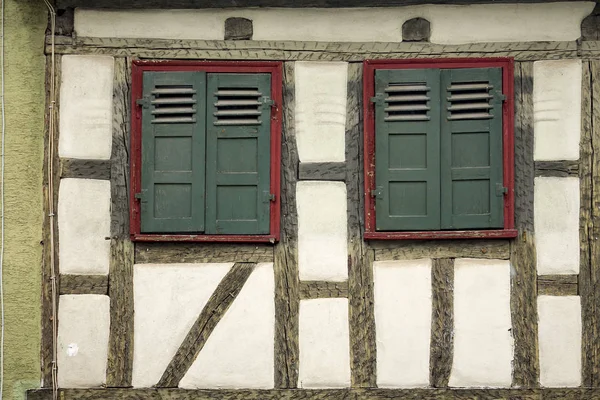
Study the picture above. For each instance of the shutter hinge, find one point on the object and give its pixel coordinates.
(377, 99)
(502, 97)
(501, 190)
(377, 192)
(267, 101)
(267, 197)
(141, 196)
(143, 102)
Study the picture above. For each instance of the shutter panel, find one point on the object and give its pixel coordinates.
(238, 153)
(407, 123)
(173, 149)
(471, 170)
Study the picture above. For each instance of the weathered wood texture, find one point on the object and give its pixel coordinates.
(523, 300)
(319, 290)
(287, 297)
(558, 285)
(442, 322)
(237, 28)
(319, 394)
(46, 350)
(83, 284)
(322, 171)
(166, 253)
(412, 250)
(87, 169)
(416, 30)
(360, 256)
(315, 51)
(557, 168)
(120, 342)
(218, 304)
(590, 26)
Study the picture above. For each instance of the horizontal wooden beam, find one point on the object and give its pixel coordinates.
(83, 284)
(317, 394)
(322, 171)
(558, 285)
(87, 169)
(323, 51)
(167, 253)
(319, 290)
(557, 168)
(411, 250)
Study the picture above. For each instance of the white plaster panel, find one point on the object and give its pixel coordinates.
(322, 230)
(321, 110)
(86, 102)
(557, 109)
(483, 344)
(324, 344)
(240, 351)
(84, 226)
(560, 340)
(556, 220)
(449, 24)
(83, 326)
(403, 322)
(168, 299)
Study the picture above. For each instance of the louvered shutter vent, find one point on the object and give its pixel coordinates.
(173, 104)
(407, 102)
(235, 106)
(470, 100)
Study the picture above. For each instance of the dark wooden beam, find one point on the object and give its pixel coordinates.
(412, 250)
(322, 171)
(319, 290)
(442, 322)
(558, 285)
(86, 169)
(83, 284)
(167, 253)
(175, 4)
(557, 168)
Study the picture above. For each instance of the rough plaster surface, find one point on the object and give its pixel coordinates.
(84, 226)
(25, 24)
(557, 109)
(403, 322)
(168, 299)
(556, 219)
(449, 24)
(321, 110)
(324, 344)
(560, 340)
(322, 231)
(483, 344)
(83, 326)
(240, 351)
(86, 107)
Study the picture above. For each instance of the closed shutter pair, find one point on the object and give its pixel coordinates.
(438, 149)
(205, 153)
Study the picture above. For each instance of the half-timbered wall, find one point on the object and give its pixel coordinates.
(322, 308)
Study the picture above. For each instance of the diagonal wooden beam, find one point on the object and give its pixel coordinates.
(211, 314)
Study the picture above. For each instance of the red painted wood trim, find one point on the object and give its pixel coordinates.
(507, 65)
(276, 71)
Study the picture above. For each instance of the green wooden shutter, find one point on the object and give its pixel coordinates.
(471, 170)
(238, 153)
(407, 124)
(173, 150)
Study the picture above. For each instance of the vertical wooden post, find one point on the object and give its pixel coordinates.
(442, 322)
(287, 297)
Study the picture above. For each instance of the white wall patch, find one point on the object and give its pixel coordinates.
(240, 351)
(83, 327)
(483, 344)
(556, 219)
(322, 230)
(86, 103)
(560, 340)
(168, 299)
(403, 322)
(84, 226)
(324, 344)
(557, 109)
(321, 110)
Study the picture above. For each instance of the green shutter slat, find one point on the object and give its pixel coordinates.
(471, 149)
(173, 152)
(407, 125)
(238, 153)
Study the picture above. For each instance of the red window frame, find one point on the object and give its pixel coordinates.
(507, 65)
(138, 68)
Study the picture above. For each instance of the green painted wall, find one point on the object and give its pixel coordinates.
(25, 23)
